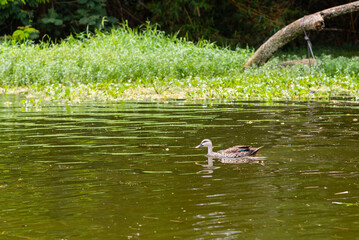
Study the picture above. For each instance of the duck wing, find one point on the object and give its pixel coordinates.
(240, 151)
(236, 149)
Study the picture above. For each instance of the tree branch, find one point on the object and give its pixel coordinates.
(290, 32)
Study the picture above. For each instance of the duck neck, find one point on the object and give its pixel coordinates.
(210, 150)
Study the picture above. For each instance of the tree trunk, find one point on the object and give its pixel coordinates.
(314, 21)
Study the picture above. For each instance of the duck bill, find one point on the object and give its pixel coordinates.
(199, 146)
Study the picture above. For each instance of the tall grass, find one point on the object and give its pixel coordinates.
(123, 55)
(132, 58)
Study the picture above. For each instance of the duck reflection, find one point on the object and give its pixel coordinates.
(243, 160)
(209, 167)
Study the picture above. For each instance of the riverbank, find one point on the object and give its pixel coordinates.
(63, 94)
(128, 64)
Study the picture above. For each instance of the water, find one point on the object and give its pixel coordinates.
(129, 170)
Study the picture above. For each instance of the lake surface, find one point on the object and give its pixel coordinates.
(129, 170)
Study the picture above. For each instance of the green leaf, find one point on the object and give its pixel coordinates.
(84, 21)
(58, 22)
(45, 20)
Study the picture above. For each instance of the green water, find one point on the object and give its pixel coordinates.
(130, 171)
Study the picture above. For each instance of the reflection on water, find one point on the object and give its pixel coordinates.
(129, 170)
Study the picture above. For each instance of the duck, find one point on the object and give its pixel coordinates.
(233, 152)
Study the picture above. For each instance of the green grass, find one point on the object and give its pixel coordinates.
(138, 64)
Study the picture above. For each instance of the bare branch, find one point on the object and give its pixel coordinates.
(290, 32)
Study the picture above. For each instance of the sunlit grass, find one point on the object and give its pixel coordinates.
(144, 64)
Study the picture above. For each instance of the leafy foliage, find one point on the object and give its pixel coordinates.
(239, 22)
(66, 18)
(25, 33)
(12, 15)
(228, 22)
(59, 19)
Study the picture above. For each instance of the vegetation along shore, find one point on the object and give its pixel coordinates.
(144, 64)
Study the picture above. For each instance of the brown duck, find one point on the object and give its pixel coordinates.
(233, 152)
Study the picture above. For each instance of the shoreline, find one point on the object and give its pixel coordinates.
(88, 93)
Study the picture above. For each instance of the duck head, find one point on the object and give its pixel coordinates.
(206, 143)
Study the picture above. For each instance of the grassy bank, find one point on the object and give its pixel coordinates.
(144, 64)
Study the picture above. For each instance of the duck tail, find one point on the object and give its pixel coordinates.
(256, 150)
